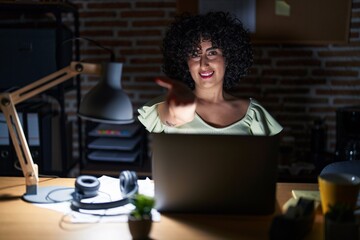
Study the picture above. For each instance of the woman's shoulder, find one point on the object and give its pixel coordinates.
(149, 116)
(237, 101)
(261, 119)
(253, 103)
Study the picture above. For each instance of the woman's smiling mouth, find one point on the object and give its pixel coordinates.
(206, 74)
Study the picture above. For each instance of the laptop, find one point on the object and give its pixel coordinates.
(215, 174)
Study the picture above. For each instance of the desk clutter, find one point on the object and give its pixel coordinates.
(298, 218)
(107, 192)
(116, 143)
(295, 223)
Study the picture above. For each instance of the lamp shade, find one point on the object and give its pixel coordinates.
(106, 102)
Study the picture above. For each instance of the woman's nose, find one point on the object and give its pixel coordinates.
(204, 62)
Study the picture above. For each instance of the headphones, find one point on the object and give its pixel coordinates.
(87, 186)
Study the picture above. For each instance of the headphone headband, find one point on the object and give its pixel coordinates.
(88, 186)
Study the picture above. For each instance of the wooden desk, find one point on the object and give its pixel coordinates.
(22, 220)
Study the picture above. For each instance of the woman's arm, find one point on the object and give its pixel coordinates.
(179, 107)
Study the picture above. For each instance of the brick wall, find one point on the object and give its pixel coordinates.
(296, 83)
(301, 83)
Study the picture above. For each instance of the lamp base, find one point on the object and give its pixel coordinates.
(52, 194)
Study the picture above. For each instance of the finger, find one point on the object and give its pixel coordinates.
(164, 83)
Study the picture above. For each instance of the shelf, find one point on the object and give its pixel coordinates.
(112, 148)
(34, 9)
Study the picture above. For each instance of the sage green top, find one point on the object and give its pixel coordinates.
(257, 121)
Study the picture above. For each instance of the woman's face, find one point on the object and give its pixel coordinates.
(207, 66)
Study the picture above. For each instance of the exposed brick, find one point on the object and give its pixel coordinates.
(154, 23)
(97, 14)
(339, 92)
(155, 4)
(157, 43)
(245, 91)
(347, 53)
(347, 63)
(303, 81)
(259, 81)
(298, 62)
(285, 72)
(106, 24)
(146, 60)
(262, 61)
(115, 43)
(142, 69)
(258, 52)
(295, 109)
(96, 59)
(354, 25)
(354, 43)
(322, 109)
(298, 117)
(95, 51)
(95, 33)
(355, 5)
(288, 91)
(347, 101)
(306, 100)
(137, 51)
(291, 53)
(333, 73)
(142, 33)
(354, 35)
(142, 14)
(349, 83)
(105, 5)
(355, 15)
(253, 71)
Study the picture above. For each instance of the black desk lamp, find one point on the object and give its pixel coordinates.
(106, 102)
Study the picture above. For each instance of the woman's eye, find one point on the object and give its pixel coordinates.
(194, 55)
(212, 53)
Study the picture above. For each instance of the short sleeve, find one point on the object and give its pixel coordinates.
(262, 123)
(149, 116)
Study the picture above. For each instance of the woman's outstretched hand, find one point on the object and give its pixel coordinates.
(180, 104)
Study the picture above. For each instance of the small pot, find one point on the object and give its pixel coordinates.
(139, 228)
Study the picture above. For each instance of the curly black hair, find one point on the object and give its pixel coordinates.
(224, 31)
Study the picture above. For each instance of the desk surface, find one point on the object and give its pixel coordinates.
(22, 220)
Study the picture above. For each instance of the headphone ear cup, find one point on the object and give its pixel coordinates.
(128, 183)
(86, 186)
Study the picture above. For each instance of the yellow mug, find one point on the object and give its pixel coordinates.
(338, 188)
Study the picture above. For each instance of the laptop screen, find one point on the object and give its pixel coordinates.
(225, 174)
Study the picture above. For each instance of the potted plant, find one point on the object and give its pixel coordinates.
(340, 223)
(140, 219)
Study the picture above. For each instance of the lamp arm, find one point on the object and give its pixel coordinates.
(7, 105)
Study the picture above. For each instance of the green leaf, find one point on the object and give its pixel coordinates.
(143, 205)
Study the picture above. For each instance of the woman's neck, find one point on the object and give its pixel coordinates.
(210, 95)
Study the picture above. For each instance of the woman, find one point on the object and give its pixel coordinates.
(204, 57)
